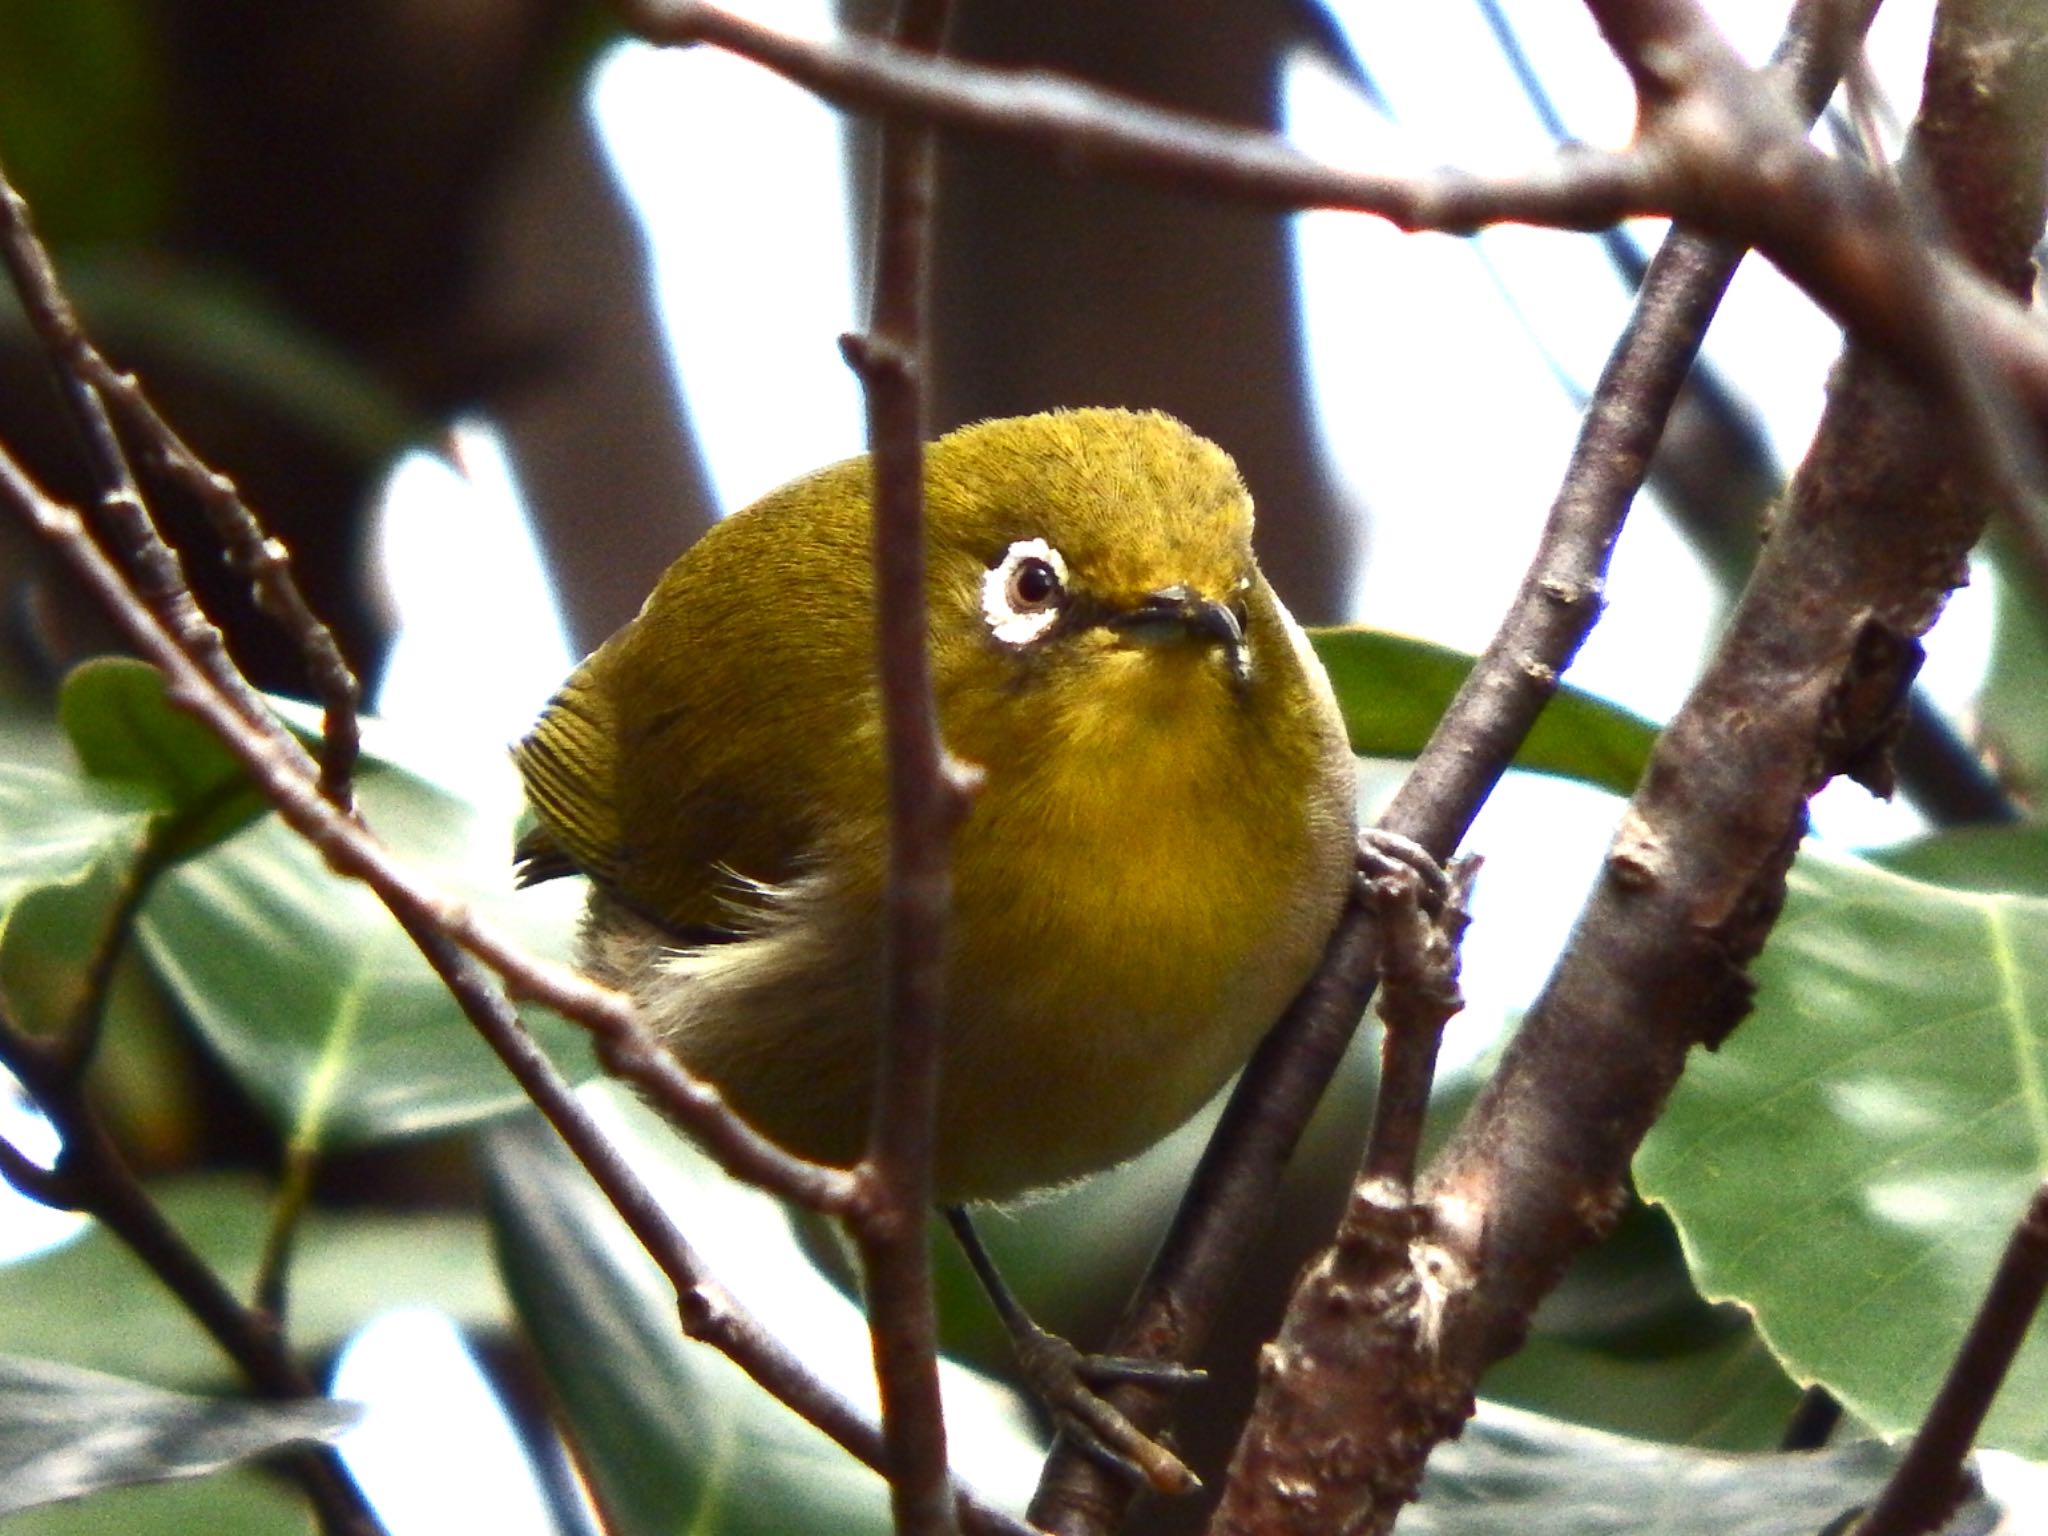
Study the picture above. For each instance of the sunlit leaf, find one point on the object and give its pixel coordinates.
(67, 847)
(1393, 689)
(92, 1303)
(1850, 1163)
(66, 1432)
(1513, 1473)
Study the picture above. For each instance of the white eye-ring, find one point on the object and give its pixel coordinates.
(1021, 593)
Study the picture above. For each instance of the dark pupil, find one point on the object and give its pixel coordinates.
(1034, 583)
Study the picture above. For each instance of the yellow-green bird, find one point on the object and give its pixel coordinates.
(1162, 840)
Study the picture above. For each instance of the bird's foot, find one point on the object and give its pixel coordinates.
(1072, 1385)
(1388, 856)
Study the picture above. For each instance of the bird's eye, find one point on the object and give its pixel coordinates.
(1033, 584)
(1022, 592)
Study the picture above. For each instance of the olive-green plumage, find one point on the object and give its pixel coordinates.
(1160, 845)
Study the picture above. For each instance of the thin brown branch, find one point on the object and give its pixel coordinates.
(446, 935)
(253, 554)
(1807, 684)
(287, 778)
(1719, 148)
(1222, 1213)
(1098, 130)
(1930, 1480)
(92, 388)
(92, 1176)
(928, 795)
(119, 514)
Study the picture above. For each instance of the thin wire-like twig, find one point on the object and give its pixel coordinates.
(94, 390)
(157, 574)
(927, 797)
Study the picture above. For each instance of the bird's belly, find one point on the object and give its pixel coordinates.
(1087, 1016)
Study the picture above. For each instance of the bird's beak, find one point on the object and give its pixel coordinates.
(1175, 613)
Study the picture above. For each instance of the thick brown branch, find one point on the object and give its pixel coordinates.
(1806, 685)
(1221, 1215)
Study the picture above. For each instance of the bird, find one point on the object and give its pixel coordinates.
(1162, 838)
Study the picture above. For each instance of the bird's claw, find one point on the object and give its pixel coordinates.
(1066, 1381)
(1383, 855)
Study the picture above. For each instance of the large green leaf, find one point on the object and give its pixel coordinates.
(92, 1303)
(672, 1436)
(1519, 1474)
(315, 999)
(1728, 1395)
(1393, 689)
(1850, 1163)
(65, 1433)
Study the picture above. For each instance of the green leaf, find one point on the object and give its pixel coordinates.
(673, 1437)
(1394, 688)
(1992, 859)
(59, 830)
(1730, 1395)
(1625, 1343)
(125, 732)
(1519, 1474)
(92, 1303)
(65, 1432)
(67, 847)
(2012, 708)
(1850, 1163)
(241, 1502)
(314, 998)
